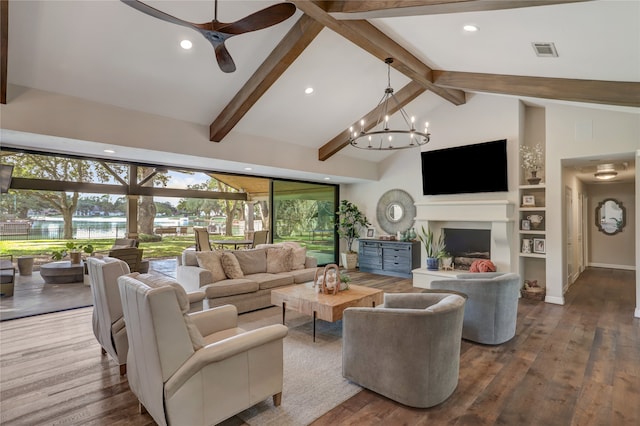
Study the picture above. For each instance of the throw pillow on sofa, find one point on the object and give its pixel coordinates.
(279, 259)
(231, 266)
(212, 260)
(298, 255)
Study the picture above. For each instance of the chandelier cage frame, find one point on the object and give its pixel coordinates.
(380, 129)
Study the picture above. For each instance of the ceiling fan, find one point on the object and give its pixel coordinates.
(217, 32)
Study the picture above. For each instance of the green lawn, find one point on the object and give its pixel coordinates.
(169, 246)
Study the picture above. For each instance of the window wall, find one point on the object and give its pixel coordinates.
(305, 213)
(59, 197)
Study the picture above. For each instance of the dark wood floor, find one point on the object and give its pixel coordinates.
(577, 364)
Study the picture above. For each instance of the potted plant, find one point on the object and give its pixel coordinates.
(435, 248)
(345, 279)
(350, 221)
(73, 250)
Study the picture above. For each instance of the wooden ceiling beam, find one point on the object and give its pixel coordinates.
(394, 8)
(369, 38)
(620, 93)
(404, 96)
(4, 48)
(286, 52)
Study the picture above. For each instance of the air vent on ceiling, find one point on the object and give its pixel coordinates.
(545, 50)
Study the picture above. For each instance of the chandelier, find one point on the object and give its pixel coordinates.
(378, 136)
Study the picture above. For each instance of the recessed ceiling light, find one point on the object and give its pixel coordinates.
(327, 178)
(186, 44)
(470, 28)
(308, 90)
(248, 168)
(109, 151)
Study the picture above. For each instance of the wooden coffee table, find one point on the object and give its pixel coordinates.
(305, 299)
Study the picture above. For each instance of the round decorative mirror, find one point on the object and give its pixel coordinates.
(395, 211)
(610, 216)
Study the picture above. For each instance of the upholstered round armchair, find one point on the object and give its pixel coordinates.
(407, 349)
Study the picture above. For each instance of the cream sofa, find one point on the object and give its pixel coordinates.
(244, 278)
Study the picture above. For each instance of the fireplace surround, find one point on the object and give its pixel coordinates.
(495, 216)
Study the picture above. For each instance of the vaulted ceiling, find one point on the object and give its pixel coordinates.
(107, 52)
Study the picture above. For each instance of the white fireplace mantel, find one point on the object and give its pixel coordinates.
(469, 211)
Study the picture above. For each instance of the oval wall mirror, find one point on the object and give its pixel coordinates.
(610, 216)
(395, 211)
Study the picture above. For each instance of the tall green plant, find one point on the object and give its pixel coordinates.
(434, 248)
(350, 221)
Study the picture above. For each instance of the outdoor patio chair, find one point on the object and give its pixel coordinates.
(132, 256)
(202, 239)
(260, 237)
(7, 275)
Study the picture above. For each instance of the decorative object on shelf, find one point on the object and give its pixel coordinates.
(371, 232)
(350, 221)
(528, 201)
(526, 245)
(611, 216)
(378, 136)
(483, 265)
(434, 248)
(395, 211)
(539, 245)
(605, 172)
(412, 234)
(531, 290)
(525, 225)
(447, 263)
(532, 161)
(536, 220)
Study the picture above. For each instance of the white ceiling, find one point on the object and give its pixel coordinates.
(107, 52)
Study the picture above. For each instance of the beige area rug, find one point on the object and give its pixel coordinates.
(313, 382)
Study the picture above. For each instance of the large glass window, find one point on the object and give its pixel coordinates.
(305, 213)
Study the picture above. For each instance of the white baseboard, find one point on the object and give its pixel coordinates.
(612, 266)
(637, 313)
(554, 300)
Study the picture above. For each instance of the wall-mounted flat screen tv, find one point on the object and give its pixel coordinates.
(465, 169)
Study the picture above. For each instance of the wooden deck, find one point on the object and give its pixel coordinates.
(577, 364)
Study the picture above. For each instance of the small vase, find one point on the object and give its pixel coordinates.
(412, 234)
(432, 263)
(534, 179)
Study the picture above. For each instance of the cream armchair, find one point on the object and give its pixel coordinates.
(200, 368)
(407, 349)
(108, 321)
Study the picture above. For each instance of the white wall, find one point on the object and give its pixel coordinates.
(483, 118)
(613, 251)
(574, 132)
(45, 113)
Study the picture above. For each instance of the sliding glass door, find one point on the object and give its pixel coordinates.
(305, 213)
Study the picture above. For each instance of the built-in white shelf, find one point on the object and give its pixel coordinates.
(538, 255)
(532, 232)
(532, 209)
(540, 186)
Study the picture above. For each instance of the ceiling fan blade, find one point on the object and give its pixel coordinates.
(259, 20)
(144, 8)
(225, 61)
